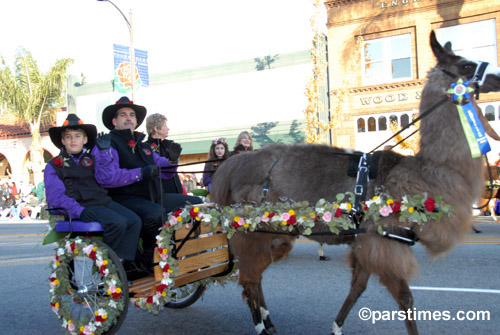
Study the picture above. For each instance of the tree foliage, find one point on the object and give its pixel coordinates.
(32, 95)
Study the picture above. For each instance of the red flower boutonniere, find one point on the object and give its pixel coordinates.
(132, 144)
(154, 147)
(60, 161)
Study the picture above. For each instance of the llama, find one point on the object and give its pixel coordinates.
(443, 167)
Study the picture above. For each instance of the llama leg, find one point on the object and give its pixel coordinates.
(251, 293)
(358, 285)
(321, 253)
(265, 312)
(401, 292)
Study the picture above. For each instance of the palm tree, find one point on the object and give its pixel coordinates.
(31, 95)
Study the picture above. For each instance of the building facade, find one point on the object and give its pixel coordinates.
(379, 55)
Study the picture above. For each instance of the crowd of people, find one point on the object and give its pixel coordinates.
(124, 181)
(21, 201)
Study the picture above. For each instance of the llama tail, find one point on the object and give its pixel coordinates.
(221, 183)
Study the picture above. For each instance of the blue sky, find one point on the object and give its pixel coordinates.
(177, 34)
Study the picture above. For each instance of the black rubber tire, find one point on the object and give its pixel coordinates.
(94, 292)
(187, 295)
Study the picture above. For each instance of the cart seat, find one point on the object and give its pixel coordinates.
(79, 227)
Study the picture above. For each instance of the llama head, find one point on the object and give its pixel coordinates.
(483, 74)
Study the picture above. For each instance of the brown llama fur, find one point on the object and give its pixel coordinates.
(443, 167)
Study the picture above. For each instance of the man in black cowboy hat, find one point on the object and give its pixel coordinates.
(132, 177)
(70, 184)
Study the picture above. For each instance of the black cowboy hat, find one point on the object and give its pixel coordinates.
(109, 112)
(73, 122)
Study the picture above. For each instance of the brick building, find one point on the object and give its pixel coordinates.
(379, 54)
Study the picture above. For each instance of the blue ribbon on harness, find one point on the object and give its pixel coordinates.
(473, 129)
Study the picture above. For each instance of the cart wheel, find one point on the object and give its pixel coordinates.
(88, 300)
(185, 296)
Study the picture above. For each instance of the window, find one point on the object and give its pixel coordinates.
(489, 113)
(361, 125)
(405, 120)
(387, 59)
(475, 40)
(382, 123)
(371, 124)
(393, 119)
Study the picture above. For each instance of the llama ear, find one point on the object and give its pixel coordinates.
(447, 47)
(438, 51)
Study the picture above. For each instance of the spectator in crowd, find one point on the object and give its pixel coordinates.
(219, 151)
(71, 184)
(243, 143)
(156, 126)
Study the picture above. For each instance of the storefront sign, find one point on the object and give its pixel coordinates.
(396, 3)
(376, 100)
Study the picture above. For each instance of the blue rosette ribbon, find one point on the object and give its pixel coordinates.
(471, 124)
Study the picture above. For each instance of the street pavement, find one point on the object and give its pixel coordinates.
(303, 294)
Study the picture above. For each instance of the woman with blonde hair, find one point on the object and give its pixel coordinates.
(156, 126)
(244, 142)
(219, 151)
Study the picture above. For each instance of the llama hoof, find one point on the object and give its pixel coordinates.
(324, 258)
(267, 332)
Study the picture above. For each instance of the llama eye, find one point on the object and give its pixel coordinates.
(468, 66)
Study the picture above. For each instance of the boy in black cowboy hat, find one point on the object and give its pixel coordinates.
(132, 171)
(70, 183)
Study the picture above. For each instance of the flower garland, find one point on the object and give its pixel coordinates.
(110, 306)
(284, 216)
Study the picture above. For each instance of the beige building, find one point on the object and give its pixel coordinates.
(379, 56)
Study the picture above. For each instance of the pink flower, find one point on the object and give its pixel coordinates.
(71, 327)
(285, 216)
(385, 211)
(264, 218)
(327, 217)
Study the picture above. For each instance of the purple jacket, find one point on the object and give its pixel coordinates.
(109, 174)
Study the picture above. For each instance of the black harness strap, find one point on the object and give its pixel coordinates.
(360, 189)
(405, 235)
(267, 182)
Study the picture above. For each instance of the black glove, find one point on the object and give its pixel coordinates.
(150, 172)
(103, 141)
(174, 151)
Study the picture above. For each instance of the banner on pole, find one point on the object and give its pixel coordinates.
(122, 68)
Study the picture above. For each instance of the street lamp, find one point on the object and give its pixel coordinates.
(132, 51)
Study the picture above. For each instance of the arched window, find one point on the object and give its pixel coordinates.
(372, 126)
(382, 123)
(405, 120)
(489, 112)
(393, 119)
(361, 125)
